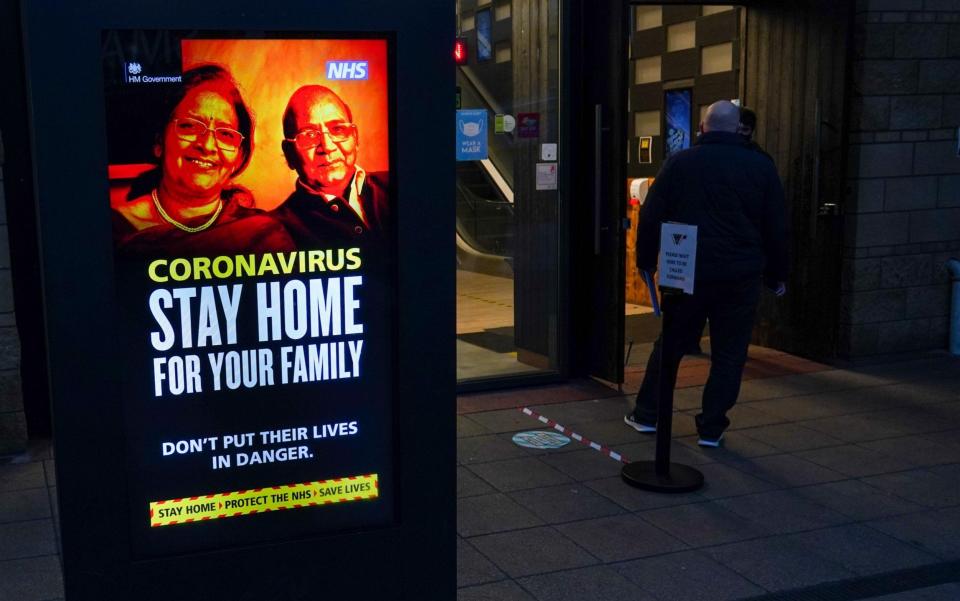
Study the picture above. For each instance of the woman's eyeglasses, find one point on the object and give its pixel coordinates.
(190, 130)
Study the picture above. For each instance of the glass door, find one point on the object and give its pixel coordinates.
(507, 194)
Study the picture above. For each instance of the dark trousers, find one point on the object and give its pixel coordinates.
(731, 308)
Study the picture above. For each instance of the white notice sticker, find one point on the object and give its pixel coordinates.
(678, 256)
(546, 176)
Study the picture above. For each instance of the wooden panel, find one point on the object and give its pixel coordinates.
(795, 62)
(678, 14)
(716, 86)
(649, 42)
(718, 28)
(535, 88)
(681, 64)
(646, 97)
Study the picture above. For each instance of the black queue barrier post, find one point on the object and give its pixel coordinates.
(660, 475)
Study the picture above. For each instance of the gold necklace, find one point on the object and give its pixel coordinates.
(177, 224)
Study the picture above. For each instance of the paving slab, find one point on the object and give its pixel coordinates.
(736, 445)
(585, 411)
(746, 415)
(504, 420)
(808, 407)
(634, 499)
(857, 500)
(856, 460)
(473, 568)
(565, 503)
(786, 470)
(33, 579)
(596, 582)
(468, 427)
(50, 472)
(519, 474)
(919, 450)
(606, 432)
(922, 419)
(20, 476)
(781, 511)
(27, 539)
(923, 486)
(499, 591)
(792, 437)
(471, 485)
(533, 551)
(22, 505)
(722, 480)
(687, 576)
(943, 592)
(492, 513)
(584, 464)
(862, 550)
(702, 524)
(778, 563)
(620, 538)
(927, 531)
(477, 449)
(857, 427)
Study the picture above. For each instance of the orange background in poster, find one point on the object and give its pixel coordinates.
(270, 71)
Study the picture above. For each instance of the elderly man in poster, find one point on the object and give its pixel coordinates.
(335, 201)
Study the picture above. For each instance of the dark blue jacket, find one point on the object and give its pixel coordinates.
(732, 193)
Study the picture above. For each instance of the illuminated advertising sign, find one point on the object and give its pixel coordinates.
(252, 200)
(677, 116)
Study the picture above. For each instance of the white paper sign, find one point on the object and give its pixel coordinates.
(546, 176)
(548, 152)
(678, 256)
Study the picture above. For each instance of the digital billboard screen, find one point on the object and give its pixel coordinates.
(252, 201)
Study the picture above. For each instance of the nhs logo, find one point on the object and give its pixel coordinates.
(347, 70)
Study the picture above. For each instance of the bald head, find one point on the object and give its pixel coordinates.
(307, 99)
(321, 139)
(722, 115)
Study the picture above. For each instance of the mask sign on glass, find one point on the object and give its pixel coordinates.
(471, 135)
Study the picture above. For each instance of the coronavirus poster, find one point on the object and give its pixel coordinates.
(253, 206)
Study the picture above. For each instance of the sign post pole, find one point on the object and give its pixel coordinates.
(678, 249)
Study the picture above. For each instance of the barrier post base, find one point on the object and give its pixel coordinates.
(678, 479)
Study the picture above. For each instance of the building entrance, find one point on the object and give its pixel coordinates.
(787, 63)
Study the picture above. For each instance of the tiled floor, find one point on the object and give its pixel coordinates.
(827, 476)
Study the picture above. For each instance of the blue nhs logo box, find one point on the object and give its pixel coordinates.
(356, 70)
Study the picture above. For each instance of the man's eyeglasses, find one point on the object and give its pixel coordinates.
(190, 130)
(311, 138)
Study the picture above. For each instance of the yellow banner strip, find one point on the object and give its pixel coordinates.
(261, 500)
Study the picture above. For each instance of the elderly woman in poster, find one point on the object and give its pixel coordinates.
(187, 204)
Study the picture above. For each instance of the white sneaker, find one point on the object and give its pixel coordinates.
(713, 443)
(639, 427)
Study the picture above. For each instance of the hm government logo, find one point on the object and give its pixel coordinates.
(347, 70)
(678, 238)
(133, 73)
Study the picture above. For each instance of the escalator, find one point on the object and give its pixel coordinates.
(485, 213)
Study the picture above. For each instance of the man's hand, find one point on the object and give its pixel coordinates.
(779, 288)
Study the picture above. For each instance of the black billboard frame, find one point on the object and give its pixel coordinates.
(414, 559)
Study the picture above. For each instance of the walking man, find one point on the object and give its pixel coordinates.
(732, 193)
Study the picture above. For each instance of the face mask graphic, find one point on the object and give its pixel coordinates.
(470, 128)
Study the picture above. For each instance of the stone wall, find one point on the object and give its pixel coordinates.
(13, 425)
(903, 215)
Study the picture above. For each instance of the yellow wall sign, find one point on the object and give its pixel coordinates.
(261, 500)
